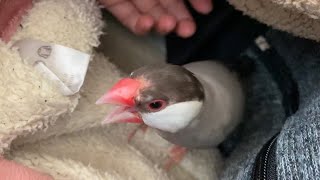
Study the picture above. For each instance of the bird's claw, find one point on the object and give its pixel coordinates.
(176, 154)
(143, 127)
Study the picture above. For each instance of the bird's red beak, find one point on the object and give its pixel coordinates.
(122, 94)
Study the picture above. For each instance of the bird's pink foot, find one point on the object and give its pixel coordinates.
(176, 154)
(143, 127)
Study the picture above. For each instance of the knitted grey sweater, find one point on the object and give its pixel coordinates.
(298, 145)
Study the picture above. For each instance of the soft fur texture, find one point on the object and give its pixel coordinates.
(299, 17)
(62, 135)
(30, 103)
(105, 149)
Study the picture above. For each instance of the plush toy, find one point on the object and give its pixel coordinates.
(56, 129)
(58, 132)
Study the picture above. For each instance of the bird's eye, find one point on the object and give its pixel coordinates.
(156, 105)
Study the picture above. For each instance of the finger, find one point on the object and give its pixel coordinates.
(129, 15)
(185, 24)
(186, 28)
(149, 6)
(11, 13)
(164, 23)
(202, 6)
(176, 8)
(13, 171)
(144, 24)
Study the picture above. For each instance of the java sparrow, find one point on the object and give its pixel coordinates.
(192, 106)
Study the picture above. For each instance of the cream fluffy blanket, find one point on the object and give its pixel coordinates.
(299, 17)
(62, 135)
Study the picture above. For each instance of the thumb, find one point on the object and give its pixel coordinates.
(202, 6)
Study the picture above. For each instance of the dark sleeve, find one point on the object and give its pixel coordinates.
(223, 35)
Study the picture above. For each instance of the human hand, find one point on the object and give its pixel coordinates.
(10, 170)
(11, 13)
(165, 16)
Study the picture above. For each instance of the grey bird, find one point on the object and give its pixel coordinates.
(192, 106)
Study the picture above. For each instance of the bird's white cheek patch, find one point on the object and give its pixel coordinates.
(174, 117)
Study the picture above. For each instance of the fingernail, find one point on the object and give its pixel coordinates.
(206, 7)
(166, 24)
(186, 28)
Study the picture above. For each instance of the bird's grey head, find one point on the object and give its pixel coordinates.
(169, 83)
(166, 97)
